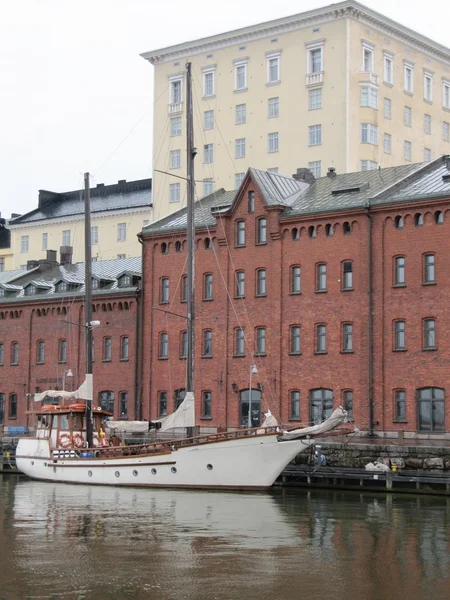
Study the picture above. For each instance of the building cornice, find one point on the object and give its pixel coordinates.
(347, 9)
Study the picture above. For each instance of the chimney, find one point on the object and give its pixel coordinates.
(304, 175)
(121, 181)
(32, 264)
(66, 253)
(51, 256)
(100, 185)
(331, 172)
(15, 215)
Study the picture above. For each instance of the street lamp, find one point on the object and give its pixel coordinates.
(67, 373)
(253, 371)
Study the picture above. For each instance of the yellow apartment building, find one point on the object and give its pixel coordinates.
(341, 86)
(5, 246)
(118, 213)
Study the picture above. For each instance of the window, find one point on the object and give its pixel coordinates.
(261, 340)
(175, 126)
(239, 342)
(174, 189)
(2, 264)
(407, 116)
(427, 155)
(94, 235)
(2, 408)
(2, 354)
(240, 75)
(208, 83)
(315, 167)
(240, 233)
(439, 217)
(206, 405)
(123, 405)
(273, 107)
(428, 269)
(315, 98)
(399, 270)
(387, 143)
(273, 67)
(347, 396)
(321, 277)
(240, 148)
(427, 124)
(369, 133)
(208, 186)
(162, 404)
(241, 114)
(429, 334)
(321, 339)
(428, 87)
(12, 411)
(315, 60)
(446, 131)
(65, 238)
(207, 343)
(347, 337)
(315, 135)
(121, 232)
(321, 405)
(175, 91)
(107, 401)
(208, 153)
(409, 78)
(163, 345)
(30, 290)
(272, 142)
(369, 97)
(296, 282)
(399, 335)
(388, 69)
(261, 234)
(208, 119)
(431, 409)
(407, 150)
(14, 353)
(295, 339)
(238, 179)
(183, 344)
(183, 297)
(294, 404)
(251, 202)
(399, 223)
(273, 170)
(124, 347)
(387, 108)
(347, 275)
(400, 405)
(367, 64)
(164, 290)
(368, 165)
(107, 348)
(24, 243)
(40, 355)
(418, 220)
(329, 231)
(312, 232)
(175, 159)
(261, 282)
(44, 241)
(207, 286)
(240, 284)
(446, 94)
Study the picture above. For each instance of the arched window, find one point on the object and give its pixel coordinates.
(123, 405)
(240, 284)
(207, 286)
(261, 237)
(400, 405)
(294, 404)
(321, 404)
(162, 404)
(251, 202)
(431, 409)
(207, 343)
(321, 277)
(329, 230)
(14, 353)
(439, 217)
(295, 234)
(261, 282)
(296, 283)
(40, 352)
(250, 408)
(183, 289)
(107, 401)
(163, 345)
(240, 233)
(179, 396)
(312, 232)
(178, 246)
(164, 248)
(295, 339)
(399, 224)
(124, 347)
(208, 244)
(183, 344)
(346, 228)
(418, 220)
(347, 402)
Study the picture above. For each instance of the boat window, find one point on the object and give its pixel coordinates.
(64, 423)
(44, 421)
(77, 423)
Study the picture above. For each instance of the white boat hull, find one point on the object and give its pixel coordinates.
(250, 462)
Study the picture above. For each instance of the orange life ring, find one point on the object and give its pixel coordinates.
(49, 407)
(64, 440)
(77, 406)
(78, 440)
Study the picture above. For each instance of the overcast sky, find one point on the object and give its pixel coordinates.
(73, 86)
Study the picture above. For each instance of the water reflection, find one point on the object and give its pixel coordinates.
(90, 542)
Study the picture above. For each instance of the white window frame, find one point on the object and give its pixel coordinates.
(369, 134)
(428, 86)
(206, 72)
(369, 96)
(121, 232)
(241, 114)
(208, 186)
(369, 165)
(407, 116)
(94, 235)
(427, 124)
(446, 93)
(315, 167)
(407, 150)
(273, 142)
(273, 56)
(368, 57)
(239, 148)
(273, 170)
(174, 192)
(310, 48)
(208, 154)
(238, 179)
(208, 120)
(273, 107)
(172, 81)
(388, 71)
(427, 154)
(408, 67)
(446, 131)
(315, 135)
(237, 64)
(315, 99)
(175, 159)
(387, 143)
(65, 237)
(44, 241)
(175, 132)
(24, 244)
(388, 106)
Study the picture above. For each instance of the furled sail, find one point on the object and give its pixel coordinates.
(337, 417)
(184, 416)
(84, 392)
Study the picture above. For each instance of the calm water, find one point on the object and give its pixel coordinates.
(76, 542)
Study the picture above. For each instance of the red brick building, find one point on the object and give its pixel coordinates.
(336, 290)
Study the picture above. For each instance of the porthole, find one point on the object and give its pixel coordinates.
(117, 474)
(54, 469)
(173, 469)
(32, 463)
(153, 471)
(135, 473)
(89, 473)
(209, 467)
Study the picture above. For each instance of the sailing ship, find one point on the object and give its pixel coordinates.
(70, 444)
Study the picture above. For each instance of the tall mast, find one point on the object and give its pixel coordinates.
(88, 304)
(191, 152)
